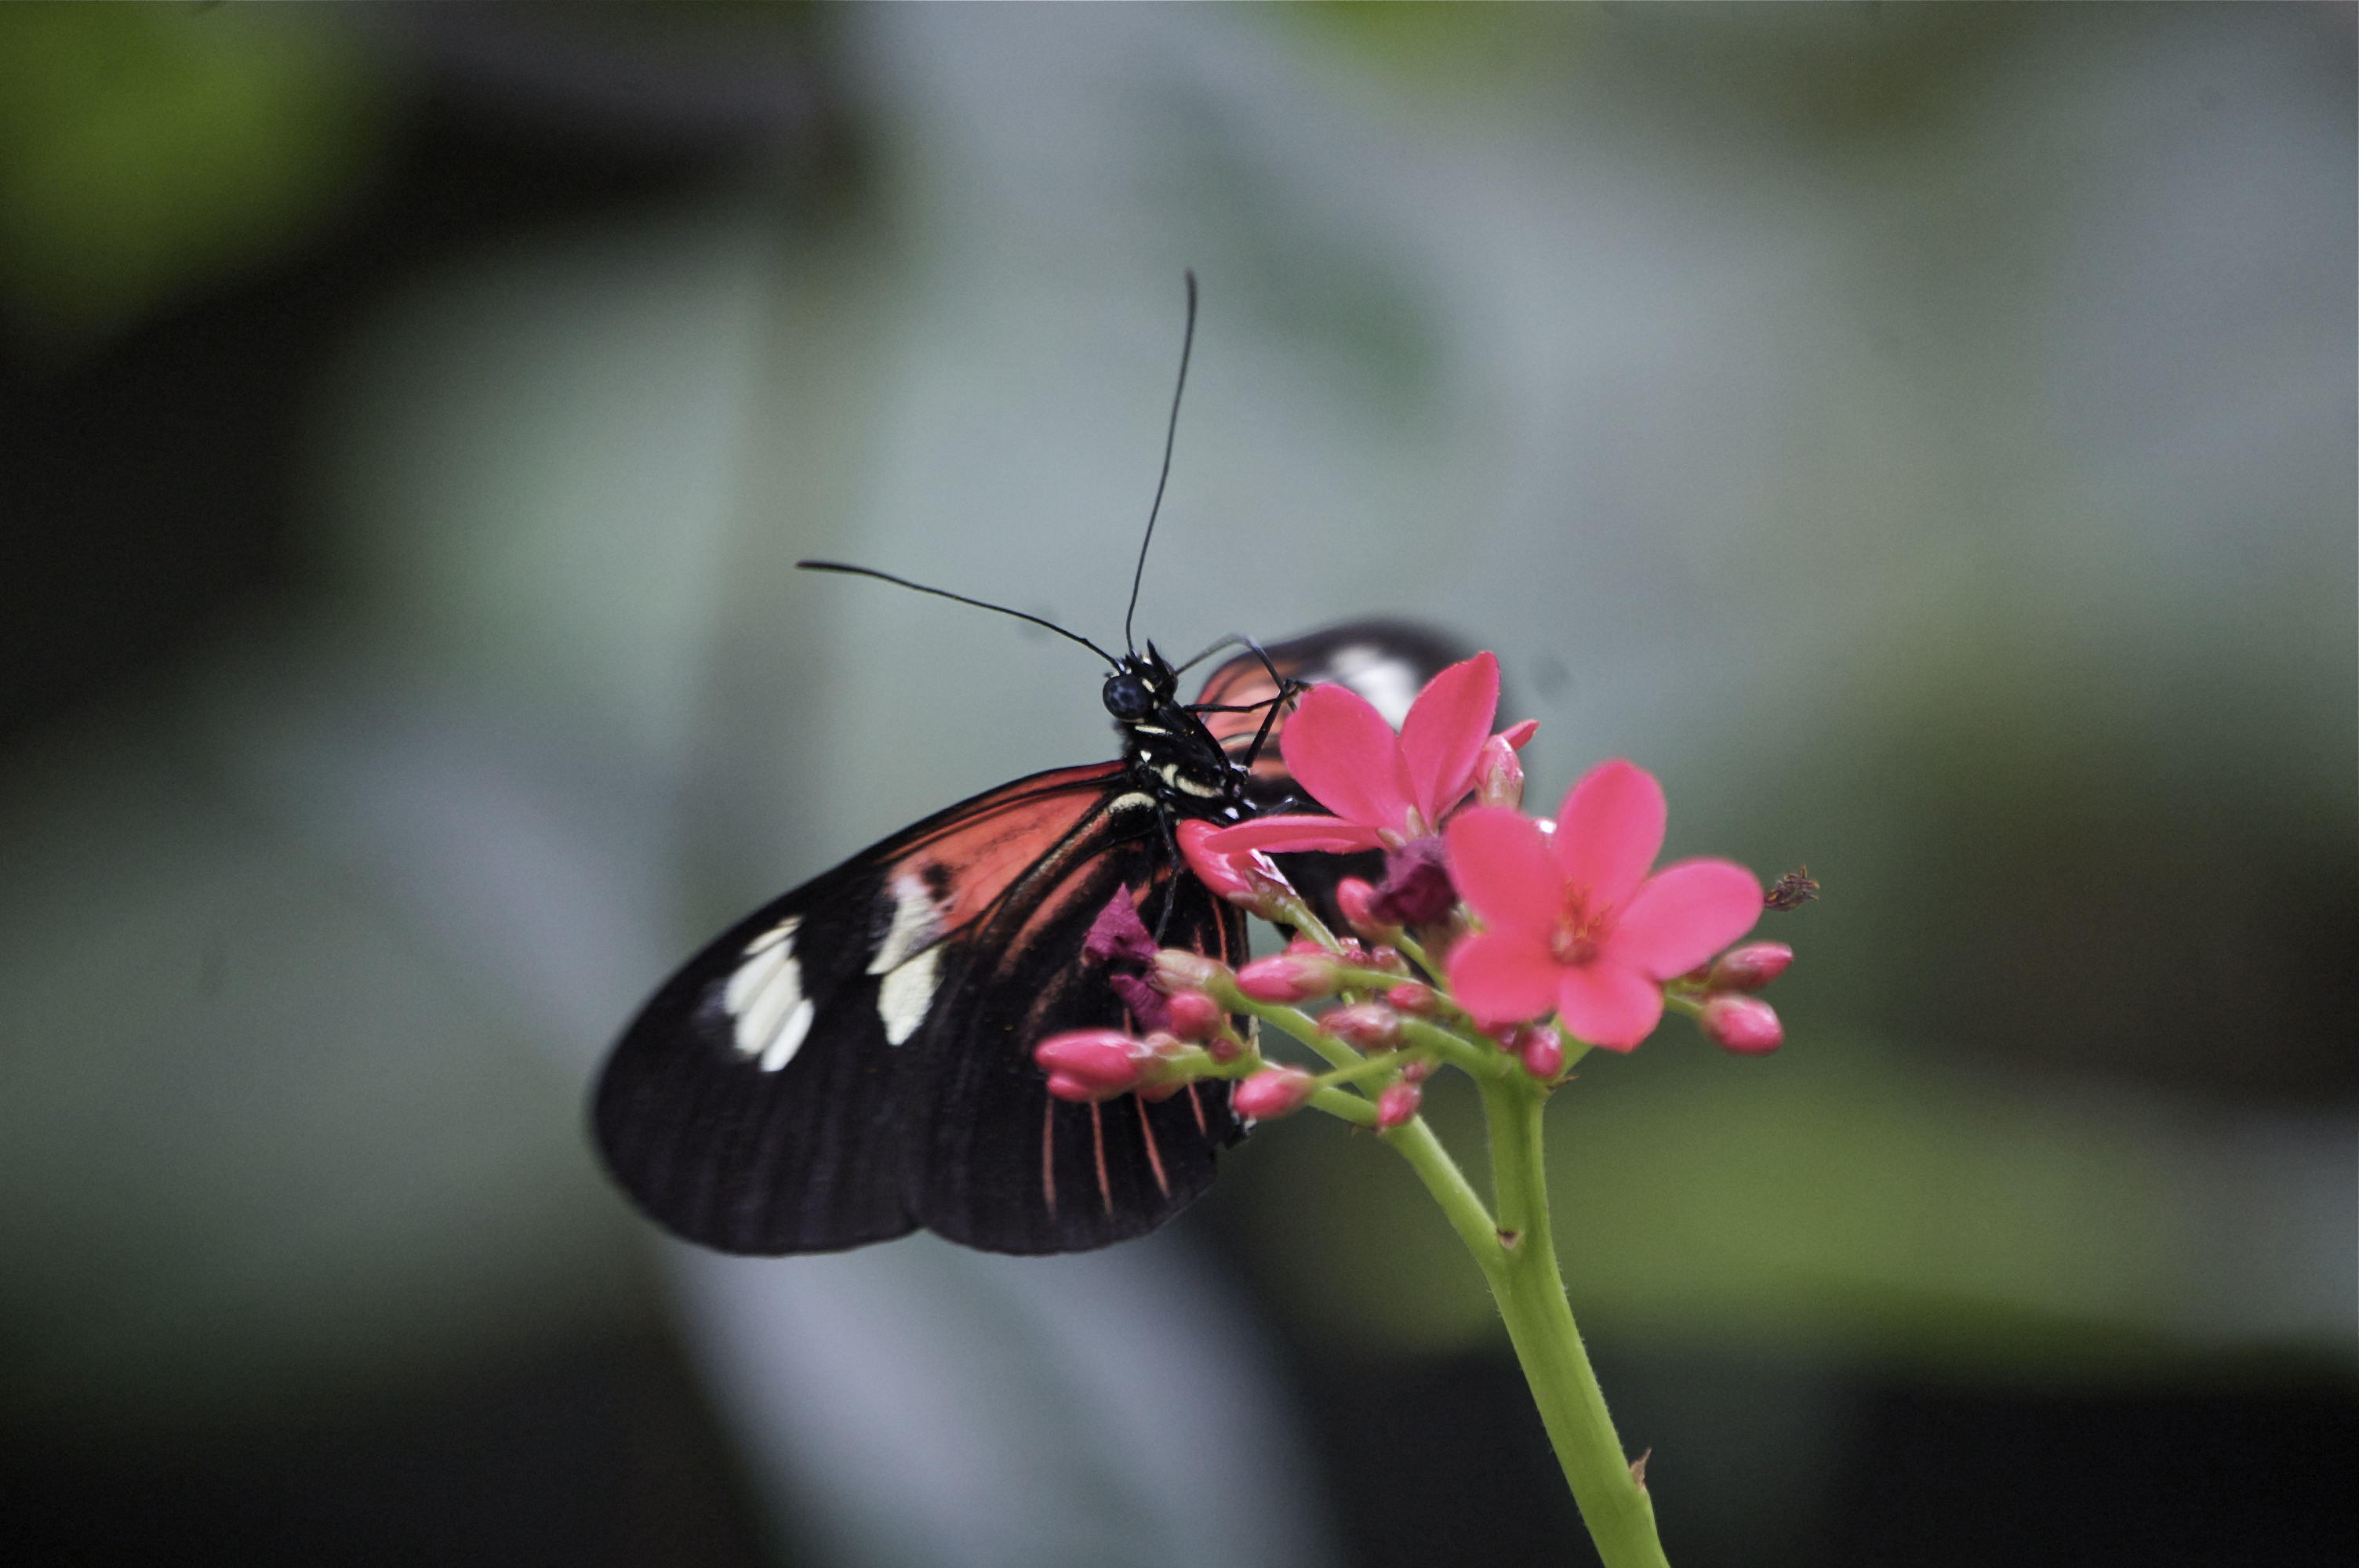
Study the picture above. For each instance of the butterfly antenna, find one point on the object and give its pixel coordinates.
(1170, 431)
(945, 593)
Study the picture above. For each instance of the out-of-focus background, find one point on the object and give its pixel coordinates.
(1922, 435)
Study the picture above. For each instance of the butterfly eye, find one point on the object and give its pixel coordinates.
(1126, 696)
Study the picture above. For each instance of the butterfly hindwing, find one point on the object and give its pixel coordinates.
(1385, 662)
(751, 1104)
(995, 1161)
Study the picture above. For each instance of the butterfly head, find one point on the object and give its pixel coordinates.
(1141, 684)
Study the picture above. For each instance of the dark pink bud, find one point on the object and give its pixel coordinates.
(1290, 977)
(1416, 1072)
(1498, 776)
(1542, 1051)
(1365, 1025)
(1417, 890)
(1089, 1064)
(1749, 968)
(1352, 897)
(1246, 877)
(1413, 997)
(1305, 946)
(1744, 1024)
(1397, 1104)
(1195, 1016)
(1271, 1093)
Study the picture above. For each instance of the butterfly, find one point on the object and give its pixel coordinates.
(852, 1061)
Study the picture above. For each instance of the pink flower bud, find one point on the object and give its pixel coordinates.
(1413, 997)
(1246, 877)
(1744, 1024)
(1305, 946)
(1498, 776)
(1416, 1072)
(1271, 1093)
(1195, 1016)
(1397, 1104)
(1542, 1051)
(1749, 968)
(1088, 1065)
(1351, 899)
(1290, 977)
(1177, 970)
(1365, 1025)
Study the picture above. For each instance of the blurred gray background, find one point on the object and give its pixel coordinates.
(1924, 436)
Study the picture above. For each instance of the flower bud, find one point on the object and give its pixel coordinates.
(1415, 998)
(1195, 1016)
(1749, 968)
(1271, 1093)
(1417, 890)
(1540, 1049)
(1744, 1024)
(1397, 1104)
(1090, 1065)
(1248, 878)
(1352, 898)
(1498, 776)
(1290, 977)
(1177, 970)
(1364, 1025)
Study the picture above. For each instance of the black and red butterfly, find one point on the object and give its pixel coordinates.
(854, 1060)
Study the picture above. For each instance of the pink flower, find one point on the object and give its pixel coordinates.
(1238, 872)
(1574, 924)
(1384, 789)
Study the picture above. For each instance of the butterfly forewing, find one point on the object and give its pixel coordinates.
(751, 1104)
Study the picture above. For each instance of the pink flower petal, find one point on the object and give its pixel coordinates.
(1341, 749)
(1501, 977)
(1500, 861)
(1445, 728)
(1683, 914)
(1287, 833)
(1609, 832)
(1518, 736)
(1608, 1005)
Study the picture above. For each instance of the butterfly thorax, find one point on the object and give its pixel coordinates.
(1169, 752)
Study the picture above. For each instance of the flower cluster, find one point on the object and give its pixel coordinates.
(1496, 943)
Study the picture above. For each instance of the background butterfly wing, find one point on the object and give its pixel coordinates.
(993, 1161)
(753, 1106)
(1386, 661)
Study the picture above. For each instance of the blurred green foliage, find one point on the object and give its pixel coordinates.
(146, 151)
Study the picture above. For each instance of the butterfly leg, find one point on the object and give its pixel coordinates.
(1170, 883)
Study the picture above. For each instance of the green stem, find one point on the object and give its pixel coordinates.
(1460, 1203)
(1521, 1267)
